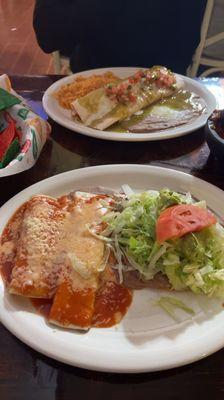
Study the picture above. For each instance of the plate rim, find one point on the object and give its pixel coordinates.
(171, 133)
(97, 364)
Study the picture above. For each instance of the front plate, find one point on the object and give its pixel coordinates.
(147, 339)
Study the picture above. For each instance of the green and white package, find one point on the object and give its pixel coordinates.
(34, 131)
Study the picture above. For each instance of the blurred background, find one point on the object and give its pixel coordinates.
(198, 32)
(19, 51)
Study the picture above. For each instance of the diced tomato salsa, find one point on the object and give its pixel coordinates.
(123, 92)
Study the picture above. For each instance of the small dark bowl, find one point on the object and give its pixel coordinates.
(215, 142)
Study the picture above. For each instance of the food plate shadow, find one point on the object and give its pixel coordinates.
(14, 303)
(147, 322)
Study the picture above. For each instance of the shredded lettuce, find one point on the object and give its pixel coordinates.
(169, 304)
(194, 261)
(199, 262)
(134, 229)
(127, 190)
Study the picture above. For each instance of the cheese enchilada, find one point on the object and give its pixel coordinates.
(48, 253)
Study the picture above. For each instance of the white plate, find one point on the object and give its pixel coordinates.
(147, 339)
(63, 116)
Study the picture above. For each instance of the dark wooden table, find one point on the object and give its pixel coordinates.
(26, 374)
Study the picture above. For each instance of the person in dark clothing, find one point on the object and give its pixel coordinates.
(103, 33)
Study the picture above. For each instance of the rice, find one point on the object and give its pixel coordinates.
(81, 86)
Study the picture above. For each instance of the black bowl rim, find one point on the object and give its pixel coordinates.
(214, 133)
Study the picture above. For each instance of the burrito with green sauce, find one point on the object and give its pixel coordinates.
(103, 107)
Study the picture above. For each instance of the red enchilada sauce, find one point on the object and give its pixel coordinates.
(42, 306)
(109, 305)
(10, 234)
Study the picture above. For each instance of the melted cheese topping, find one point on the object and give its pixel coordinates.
(47, 252)
(82, 254)
(77, 247)
(34, 273)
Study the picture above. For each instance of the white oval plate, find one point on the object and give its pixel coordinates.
(63, 116)
(147, 339)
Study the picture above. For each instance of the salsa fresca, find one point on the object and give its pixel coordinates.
(125, 92)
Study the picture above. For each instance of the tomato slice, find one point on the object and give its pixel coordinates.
(177, 221)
